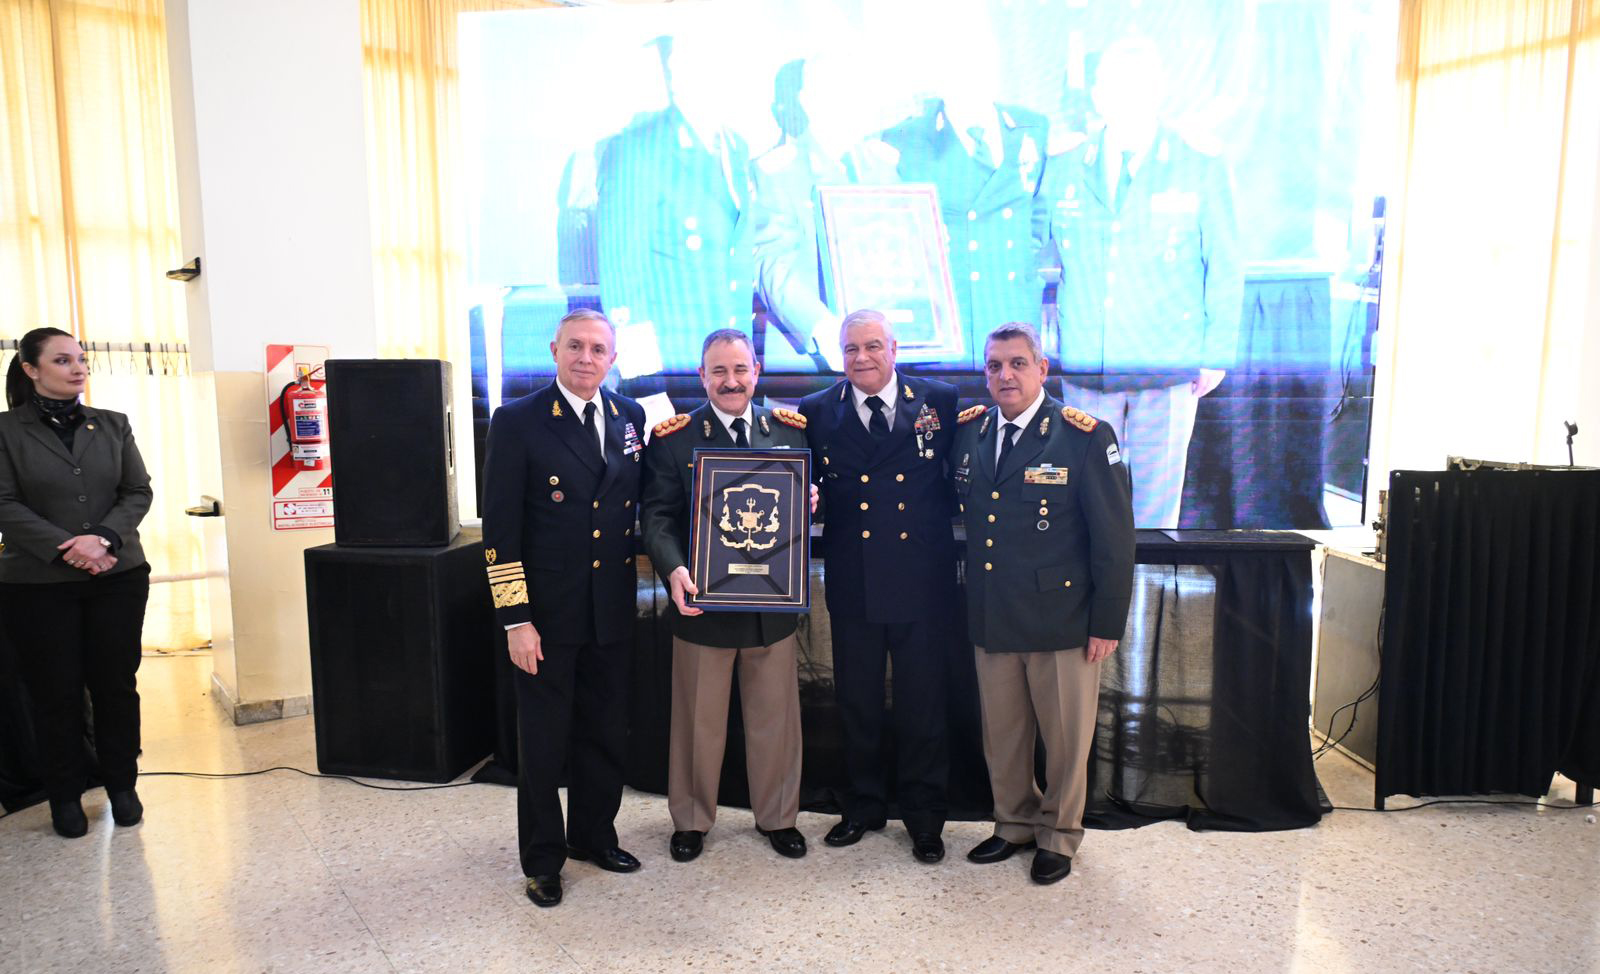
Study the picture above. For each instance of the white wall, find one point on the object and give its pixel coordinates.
(270, 133)
(1446, 388)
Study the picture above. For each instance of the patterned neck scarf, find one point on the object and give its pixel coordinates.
(61, 415)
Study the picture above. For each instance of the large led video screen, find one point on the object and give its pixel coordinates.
(1185, 198)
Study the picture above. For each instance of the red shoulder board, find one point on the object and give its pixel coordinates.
(970, 413)
(789, 417)
(671, 425)
(1079, 418)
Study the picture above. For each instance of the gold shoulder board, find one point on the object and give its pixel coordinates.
(1079, 418)
(789, 417)
(671, 425)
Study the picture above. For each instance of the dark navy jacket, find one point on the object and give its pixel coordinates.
(557, 523)
(887, 505)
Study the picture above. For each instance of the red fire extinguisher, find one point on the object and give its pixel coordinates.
(304, 410)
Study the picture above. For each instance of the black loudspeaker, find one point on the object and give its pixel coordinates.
(402, 659)
(394, 475)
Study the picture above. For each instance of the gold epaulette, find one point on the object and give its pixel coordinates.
(789, 417)
(970, 413)
(1079, 418)
(671, 425)
(507, 583)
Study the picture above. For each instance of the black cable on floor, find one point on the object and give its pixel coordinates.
(1463, 801)
(308, 774)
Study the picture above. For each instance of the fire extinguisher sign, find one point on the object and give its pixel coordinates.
(297, 437)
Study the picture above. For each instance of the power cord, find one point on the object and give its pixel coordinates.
(1463, 801)
(301, 771)
(1329, 742)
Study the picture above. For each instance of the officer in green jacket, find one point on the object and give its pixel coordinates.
(1050, 554)
(708, 647)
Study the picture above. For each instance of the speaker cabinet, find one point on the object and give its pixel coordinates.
(394, 477)
(402, 659)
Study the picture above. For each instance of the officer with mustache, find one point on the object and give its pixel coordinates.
(708, 648)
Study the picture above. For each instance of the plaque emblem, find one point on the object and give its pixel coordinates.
(750, 521)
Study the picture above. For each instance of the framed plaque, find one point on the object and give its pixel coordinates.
(884, 247)
(750, 530)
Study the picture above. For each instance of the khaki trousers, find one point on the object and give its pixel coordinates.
(769, 694)
(1056, 695)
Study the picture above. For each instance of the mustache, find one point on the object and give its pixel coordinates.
(730, 390)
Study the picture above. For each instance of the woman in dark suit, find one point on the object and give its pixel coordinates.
(73, 579)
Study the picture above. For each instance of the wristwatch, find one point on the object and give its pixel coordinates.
(105, 542)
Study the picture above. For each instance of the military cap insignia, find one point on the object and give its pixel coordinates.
(671, 424)
(507, 584)
(789, 417)
(1079, 419)
(555, 407)
(970, 413)
(766, 428)
(489, 555)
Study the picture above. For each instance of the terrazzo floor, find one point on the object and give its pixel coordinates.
(284, 873)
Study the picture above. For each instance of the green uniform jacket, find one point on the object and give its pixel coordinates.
(664, 521)
(1050, 544)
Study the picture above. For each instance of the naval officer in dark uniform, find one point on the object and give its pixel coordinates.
(1050, 551)
(880, 445)
(708, 647)
(560, 485)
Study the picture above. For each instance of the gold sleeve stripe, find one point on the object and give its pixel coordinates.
(507, 594)
(511, 568)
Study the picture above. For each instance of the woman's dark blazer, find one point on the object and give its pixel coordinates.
(49, 493)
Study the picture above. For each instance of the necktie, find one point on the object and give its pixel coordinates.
(1007, 432)
(1124, 178)
(739, 439)
(877, 426)
(589, 428)
(980, 148)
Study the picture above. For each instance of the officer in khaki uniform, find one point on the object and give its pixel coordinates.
(1050, 554)
(1152, 282)
(708, 647)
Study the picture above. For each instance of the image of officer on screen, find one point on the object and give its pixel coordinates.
(1152, 285)
(672, 189)
(986, 157)
(829, 139)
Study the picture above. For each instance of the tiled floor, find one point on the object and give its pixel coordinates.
(285, 873)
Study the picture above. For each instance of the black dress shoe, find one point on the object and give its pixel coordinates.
(545, 890)
(686, 845)
(126, 809)
(1049, 867)
(996, 849)
(786, 842)
(612, 860)
(68, 819)
(927, 846)
(849, 832)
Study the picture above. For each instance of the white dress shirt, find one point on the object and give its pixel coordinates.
(577, 405)
(1023, 420)
(728, 418)
(890, 394)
